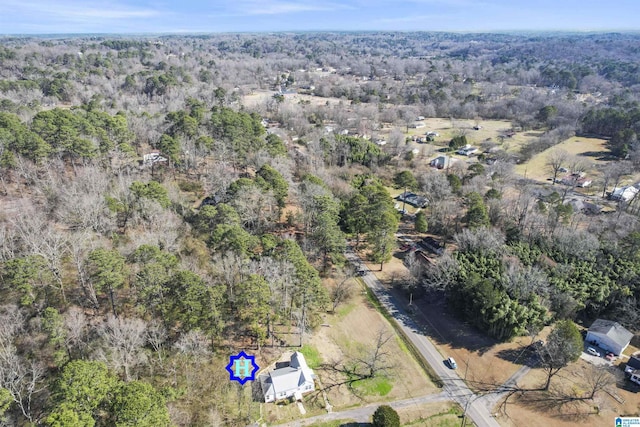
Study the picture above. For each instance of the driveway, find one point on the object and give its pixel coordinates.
(453, 385)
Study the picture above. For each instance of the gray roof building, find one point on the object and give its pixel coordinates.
(609, 335)
(285, 382)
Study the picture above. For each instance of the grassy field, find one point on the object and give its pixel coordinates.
(591, 150)
(311, 355)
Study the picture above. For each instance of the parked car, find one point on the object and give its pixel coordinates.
(610, 356)
(361, 273)
(452, 363)
(592, 351)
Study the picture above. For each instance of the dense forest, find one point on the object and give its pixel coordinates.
(163, 203)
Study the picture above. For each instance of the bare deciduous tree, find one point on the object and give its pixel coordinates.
(123, 341)
(75, 323)
(342, 290)
(556, 160)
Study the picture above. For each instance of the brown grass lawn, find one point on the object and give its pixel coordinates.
(259, 97)
(442, 414)
(592, 150)
(352, 333)
(599, 412)
(347, 334)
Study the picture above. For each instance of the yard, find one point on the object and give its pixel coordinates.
(348, 334)
(592, 150)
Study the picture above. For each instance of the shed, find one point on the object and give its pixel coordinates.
(609, 336)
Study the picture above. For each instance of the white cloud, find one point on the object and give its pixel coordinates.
(52, 14)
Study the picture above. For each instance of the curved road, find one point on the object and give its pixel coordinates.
(476, 406)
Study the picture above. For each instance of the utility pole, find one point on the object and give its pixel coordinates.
(464, 412)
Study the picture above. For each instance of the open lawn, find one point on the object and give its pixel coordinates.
(353, 335)
(531, 409)
(260, 97)
(591, 150)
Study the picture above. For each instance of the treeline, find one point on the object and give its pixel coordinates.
(516, 288)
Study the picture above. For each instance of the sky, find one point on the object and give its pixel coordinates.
(210, 16)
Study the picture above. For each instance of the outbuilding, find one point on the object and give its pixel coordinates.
(609, 336)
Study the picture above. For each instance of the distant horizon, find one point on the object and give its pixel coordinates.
(146, 17)
(212, 33)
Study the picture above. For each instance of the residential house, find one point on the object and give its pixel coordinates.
(577, 180)
(413, 199)
(625, 193)
(153, 158)
(584, 206)
(609, 336)
(442, 162)
(467, 150)
(632, 364)
(292, 380)
(432, 245)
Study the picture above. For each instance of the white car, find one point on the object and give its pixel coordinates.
(452, 363)
(592, 351)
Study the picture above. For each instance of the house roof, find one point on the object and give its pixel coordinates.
(613, 330)
(290, 377)
(444, 159)
(626, 192)
(634, 362)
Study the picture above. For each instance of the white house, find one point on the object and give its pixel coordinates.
(467, 150)
(625, 193)
(151, 158)
(292, 380)
(442, 162)
(609, 336)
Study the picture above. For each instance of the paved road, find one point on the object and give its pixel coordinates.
(454, 387)
(363, 414)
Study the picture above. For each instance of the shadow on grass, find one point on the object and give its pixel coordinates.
(598, 155)
(521, 356)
